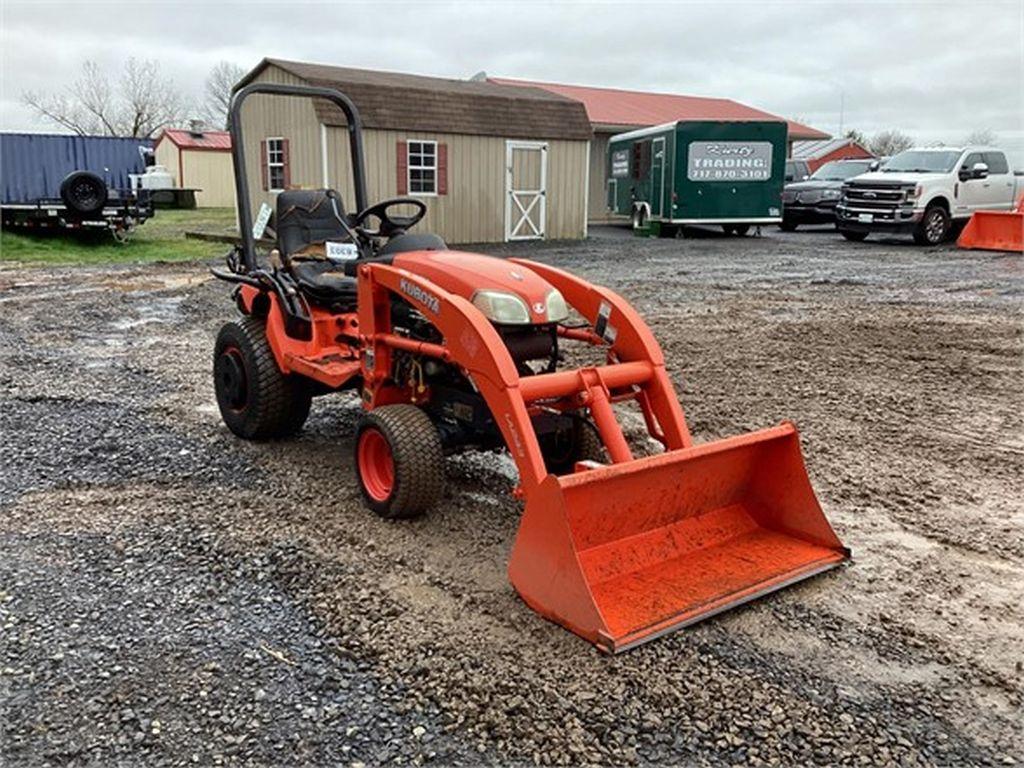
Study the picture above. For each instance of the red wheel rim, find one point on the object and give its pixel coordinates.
(376, 464)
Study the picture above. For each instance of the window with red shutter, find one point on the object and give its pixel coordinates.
(422, 159)
(276, 163)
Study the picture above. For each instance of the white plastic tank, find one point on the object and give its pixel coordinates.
(156, 177)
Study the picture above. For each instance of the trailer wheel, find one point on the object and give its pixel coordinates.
(639, 217)
(256, 400)
(399, 461)
(84, 193)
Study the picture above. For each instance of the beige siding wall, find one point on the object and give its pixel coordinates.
(210, 172)
(474, 208)
(167, 156)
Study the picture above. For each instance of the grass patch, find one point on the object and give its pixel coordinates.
(161, 238)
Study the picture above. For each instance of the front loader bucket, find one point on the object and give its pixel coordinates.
(994, 231)
(625, 552)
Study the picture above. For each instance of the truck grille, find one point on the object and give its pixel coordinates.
(873, 196)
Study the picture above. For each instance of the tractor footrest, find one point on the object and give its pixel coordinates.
(331, 370)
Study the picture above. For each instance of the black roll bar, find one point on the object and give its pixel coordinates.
(355, 135)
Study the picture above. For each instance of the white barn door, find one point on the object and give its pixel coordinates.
(526, 175)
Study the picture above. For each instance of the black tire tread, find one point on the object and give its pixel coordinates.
(281, 403)
(418, 456)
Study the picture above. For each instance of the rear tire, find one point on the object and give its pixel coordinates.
(934, 227)
(399, 461)
(853, 235)
(256, 400)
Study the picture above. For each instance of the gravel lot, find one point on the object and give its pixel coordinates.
(170, 595)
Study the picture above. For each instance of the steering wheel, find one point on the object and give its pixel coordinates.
(390, 225)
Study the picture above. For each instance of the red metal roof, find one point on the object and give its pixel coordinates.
(614, 107)
(214, 140)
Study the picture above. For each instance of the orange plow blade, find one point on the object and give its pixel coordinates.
(625, 552)
(995, 230)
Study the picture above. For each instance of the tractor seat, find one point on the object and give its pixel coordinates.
(306, 220)
(325, 282)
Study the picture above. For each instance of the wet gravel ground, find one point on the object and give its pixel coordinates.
(172, 596)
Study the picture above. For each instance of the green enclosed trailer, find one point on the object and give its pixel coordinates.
(699, 172)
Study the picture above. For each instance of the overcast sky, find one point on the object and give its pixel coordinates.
(934, 70)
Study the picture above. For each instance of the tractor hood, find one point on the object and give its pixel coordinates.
(464, 273)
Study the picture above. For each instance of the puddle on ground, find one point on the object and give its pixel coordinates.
(161, 309)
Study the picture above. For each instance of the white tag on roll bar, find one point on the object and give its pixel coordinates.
(262, 219)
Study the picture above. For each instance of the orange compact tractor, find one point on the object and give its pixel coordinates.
(452, 351)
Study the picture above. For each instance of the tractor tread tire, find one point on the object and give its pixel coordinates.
(418, 460)
(279, 403)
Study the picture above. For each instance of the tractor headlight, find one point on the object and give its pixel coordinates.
(558, 310)
(501, 307)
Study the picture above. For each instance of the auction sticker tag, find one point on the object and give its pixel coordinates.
(262, 219)
(341, 251)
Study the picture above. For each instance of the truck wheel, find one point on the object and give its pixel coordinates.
(83, 193)
(853, 235)
(740, 230)
(934, 226)
(399, 461)
(788, 226)
(256, 400)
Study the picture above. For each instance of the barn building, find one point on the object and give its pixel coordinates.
(612, 111)
(199, 159)
(492, 162)
(817, 153)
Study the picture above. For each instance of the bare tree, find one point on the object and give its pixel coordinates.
(140, 103)
(889, 143)
(981, 136)
(854, 135)
(221, 80)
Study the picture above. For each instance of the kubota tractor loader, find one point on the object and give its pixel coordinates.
(452, 351)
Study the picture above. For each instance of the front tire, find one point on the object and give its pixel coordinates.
(788, 226)
(256, 400)
(934, 226)
(399, 461)
(853, 235)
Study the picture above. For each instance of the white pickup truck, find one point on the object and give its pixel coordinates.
(927, 193)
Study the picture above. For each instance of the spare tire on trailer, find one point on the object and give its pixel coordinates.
(83, 193)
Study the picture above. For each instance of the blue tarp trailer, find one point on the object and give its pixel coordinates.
(35, 166)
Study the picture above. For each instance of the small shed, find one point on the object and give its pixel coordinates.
(817, 153)
(491, 162)
(199, 159)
